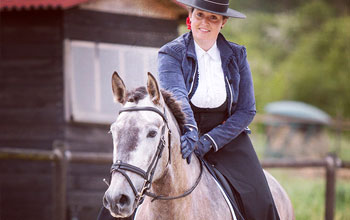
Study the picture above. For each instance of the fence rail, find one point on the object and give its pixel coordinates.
(62, 157)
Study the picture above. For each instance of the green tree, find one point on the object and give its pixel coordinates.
(318, 69)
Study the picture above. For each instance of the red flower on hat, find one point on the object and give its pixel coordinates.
(188, 23)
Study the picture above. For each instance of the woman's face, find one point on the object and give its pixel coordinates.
(206, 26)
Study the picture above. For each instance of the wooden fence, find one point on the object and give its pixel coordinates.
(62, 157)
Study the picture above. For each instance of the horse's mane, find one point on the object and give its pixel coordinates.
(175, 106)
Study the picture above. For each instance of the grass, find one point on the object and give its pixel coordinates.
(306, 187)
(308, 194)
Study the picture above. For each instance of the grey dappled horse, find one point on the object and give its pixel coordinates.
(148, 167)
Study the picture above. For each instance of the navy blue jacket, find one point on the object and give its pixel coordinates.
(178, 73)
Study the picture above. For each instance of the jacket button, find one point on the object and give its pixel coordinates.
(191, 80)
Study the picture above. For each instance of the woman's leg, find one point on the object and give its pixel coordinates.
(239, 163)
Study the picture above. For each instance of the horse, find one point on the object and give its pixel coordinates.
(148, 173)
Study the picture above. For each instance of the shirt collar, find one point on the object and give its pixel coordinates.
(213, 52)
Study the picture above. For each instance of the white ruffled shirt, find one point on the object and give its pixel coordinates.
(211, 90)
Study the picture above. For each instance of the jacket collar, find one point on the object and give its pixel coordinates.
(191, 52)
(223, 45)
(213, 52)
(225, 49)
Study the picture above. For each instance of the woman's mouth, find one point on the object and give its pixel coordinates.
(204, 30)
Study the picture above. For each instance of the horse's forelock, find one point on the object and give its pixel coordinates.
(136, 95)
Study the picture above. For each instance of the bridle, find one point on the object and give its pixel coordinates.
(121, 167)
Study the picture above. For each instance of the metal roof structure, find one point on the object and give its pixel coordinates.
(298, 110)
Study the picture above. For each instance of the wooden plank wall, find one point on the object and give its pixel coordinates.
(116, 28)
(85, 185)
(32, 103)
(31, 108)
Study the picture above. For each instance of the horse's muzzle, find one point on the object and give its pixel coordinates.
(119, 205)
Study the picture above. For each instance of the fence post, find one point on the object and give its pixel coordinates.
(331, 166)
(60, 181)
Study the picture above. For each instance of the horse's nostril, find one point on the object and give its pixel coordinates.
(124, 200)
(105, 202)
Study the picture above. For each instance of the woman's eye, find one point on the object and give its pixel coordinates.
(214, 18)
(152, 134)
(199, 15)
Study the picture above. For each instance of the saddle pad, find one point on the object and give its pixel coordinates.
(227, 200)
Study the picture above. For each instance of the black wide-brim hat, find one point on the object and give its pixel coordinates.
(214, 6)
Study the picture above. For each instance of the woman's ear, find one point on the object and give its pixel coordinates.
(224, 22)
(190, 15)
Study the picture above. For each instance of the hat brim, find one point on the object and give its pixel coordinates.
(230, 12)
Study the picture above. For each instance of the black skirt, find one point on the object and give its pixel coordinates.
(239, 164)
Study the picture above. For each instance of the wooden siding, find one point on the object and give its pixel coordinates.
(32, 103)
(85, 185)
(122, 29)
(31, 85)
(31, 108)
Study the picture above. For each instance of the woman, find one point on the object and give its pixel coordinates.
(212, 79)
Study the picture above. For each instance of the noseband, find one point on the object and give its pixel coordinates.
(121, 167)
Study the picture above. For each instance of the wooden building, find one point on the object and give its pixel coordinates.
(56, 61)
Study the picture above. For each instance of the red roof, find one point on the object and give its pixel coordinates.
(36, 4)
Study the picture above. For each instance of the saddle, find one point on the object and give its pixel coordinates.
(225, 185)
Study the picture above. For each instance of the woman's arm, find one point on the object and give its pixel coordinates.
(171, 78)
(245, 109)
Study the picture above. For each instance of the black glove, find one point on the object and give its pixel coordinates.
(188, 143)
(203, 146)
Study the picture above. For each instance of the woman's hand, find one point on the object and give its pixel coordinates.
(203, 146)
(188, 143)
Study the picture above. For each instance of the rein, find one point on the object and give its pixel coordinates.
(121, 167)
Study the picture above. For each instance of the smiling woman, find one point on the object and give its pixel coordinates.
(212, 79)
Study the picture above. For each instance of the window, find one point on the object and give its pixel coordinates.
(88, 70)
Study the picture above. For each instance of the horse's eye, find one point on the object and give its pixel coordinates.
(152, 134)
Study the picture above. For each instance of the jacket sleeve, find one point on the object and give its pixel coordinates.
(245, 108)
(171, 79)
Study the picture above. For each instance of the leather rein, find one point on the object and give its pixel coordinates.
(122, 167)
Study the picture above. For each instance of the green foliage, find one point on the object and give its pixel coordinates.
(318, 69)
(302, 55)
(342, 200)
(276, 6)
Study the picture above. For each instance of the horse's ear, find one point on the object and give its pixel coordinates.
(153, 89)
(119, 90)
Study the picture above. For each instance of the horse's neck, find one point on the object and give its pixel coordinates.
(178, 176)
(205, 202)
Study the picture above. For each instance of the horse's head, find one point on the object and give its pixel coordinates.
(138, 135)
